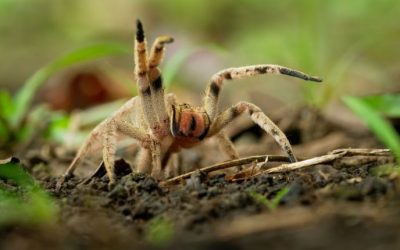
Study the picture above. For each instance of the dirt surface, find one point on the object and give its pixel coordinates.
(350, 202)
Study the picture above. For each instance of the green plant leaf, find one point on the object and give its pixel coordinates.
(27, 92)
(26, 203)
(3, 133)
(387, 104)
(159, 231)
(6, 110)
(16, 173)
(260, 199)
(6, 105)
(273, 203)
(378, 125)
(279, 196)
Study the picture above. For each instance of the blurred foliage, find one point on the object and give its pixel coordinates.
(159, 231)
(350, 44)
(22, 200)
(390, 170)
(371, 110)
(17, 118)
(388, 104)
(273, 203)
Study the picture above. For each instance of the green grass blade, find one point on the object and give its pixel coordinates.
(279, 196)
(4, 133)
(28, 203)
(26, 93)
(273, 203)
(260, 199)
(378, 125)
(16, 173)
(6, 111)
(387, 104)
(159, 231)
(6, 105)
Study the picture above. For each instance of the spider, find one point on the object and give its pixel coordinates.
(162, 126)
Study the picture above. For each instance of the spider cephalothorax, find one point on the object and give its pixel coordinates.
(163, 126)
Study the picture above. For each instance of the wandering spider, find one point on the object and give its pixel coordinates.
(162, 126)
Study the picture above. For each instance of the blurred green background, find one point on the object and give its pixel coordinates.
(353, 45)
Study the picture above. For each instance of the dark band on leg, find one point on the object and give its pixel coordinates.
(228, 76)
(289, 72)
(262, 70)
(214, 89)
(235, 112)
(139, 31)
(157, 83)
(146, 91)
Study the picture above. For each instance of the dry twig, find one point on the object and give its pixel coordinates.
(227, 164)
(331, 156)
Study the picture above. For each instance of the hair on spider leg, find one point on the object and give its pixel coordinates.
(162, 126)
(295, 73)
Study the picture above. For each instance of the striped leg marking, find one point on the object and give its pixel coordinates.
(217, 80)
(141, 73)
(259, 118)
(157, 50)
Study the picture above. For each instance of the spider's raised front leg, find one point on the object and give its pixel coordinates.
(152, 93)
(259, 118)
(141, 73)
(157, 50)
(217, 80)
(156, 84)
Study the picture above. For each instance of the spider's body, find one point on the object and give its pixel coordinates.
(162, 126)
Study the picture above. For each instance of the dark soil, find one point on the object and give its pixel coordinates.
(349, 203)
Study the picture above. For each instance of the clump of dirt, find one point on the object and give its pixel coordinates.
(351, 202)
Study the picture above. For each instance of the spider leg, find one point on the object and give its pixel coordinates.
(157, 171)
(156, 85)
(144, 164)
(259, 118)
(84, 150)
(149, 161)
(226, 145)
(141, 72)
(109, 149)
(217, 80)
(173, 166)
(157, 50)
(128, 129)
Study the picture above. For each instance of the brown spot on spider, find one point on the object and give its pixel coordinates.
(228, 76)
(145, 117)
(214, 89)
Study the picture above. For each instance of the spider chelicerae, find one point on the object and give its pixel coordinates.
(162, 126)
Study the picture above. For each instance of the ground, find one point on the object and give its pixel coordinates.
(349, 202)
